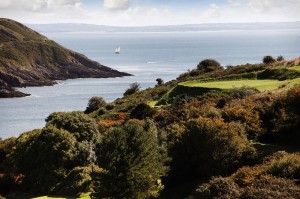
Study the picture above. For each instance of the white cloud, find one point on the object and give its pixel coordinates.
(212, 12)
(234, 3)
(116, 4)
(38, 5)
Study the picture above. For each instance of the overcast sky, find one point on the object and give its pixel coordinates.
(150, 12)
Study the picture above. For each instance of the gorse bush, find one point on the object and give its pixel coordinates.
(256, 182)
(209, 65)
(94, 104)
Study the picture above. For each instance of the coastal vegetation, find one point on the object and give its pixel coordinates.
(214, 132)
(211, 133)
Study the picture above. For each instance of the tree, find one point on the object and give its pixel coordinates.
(44, 158)
(159, 81)
(134, 87)
(94, 104)
(268, 59)
(47, 157)
(209, 65)
(133, 161)
(209, 147)
(280, 58)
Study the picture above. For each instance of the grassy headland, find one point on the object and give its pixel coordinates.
(30, 59)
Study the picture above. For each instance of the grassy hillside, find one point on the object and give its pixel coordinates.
(30, 59)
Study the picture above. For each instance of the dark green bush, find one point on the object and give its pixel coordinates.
(268, 59)
(142, 111)
(94, 104)
(280, 74)
(133, 163)
(80, 125)
(280, 58)
(77, 181)
(209, 65)
(209, 147)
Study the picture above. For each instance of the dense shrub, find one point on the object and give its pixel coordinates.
(77, 181)
(6, 147)
(135, 87)
(142, 111)
(248, 118)
(209, 147)
(209, 65)
(80, 125)
(94, 104)
(44, 158)
(159, 81)
(242, 92)
(282, 119)
(133, 162)
(256, 182)
(280, 74)
(268, 59)
(280, 58)
(284, 165)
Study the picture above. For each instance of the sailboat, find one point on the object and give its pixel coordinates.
(118, 50)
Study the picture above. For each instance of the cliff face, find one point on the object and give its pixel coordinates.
(30, 59)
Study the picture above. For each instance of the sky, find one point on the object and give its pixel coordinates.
(150, 12)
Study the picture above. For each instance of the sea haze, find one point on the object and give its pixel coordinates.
(147, 56)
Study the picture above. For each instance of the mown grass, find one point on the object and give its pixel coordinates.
(261, 85)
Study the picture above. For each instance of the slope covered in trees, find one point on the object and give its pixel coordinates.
(169, 141)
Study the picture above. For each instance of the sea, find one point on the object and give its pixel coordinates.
(147, 56)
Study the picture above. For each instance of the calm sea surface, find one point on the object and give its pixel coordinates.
(147, 56)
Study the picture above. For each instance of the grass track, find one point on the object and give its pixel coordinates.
(261, 85)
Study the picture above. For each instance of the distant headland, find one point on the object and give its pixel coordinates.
(28, 58)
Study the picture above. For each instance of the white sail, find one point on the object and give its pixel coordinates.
(118, 50)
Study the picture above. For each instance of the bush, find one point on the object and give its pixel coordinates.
(94, 104)
(133, 163)
(243, 92)
(80, 125)
(280, 58)
(261, 181)
(280, 74)
(209, 65)
(135, 87)
(268, 59)
(159, 81)
(142, 111)
(77, 181)
(209, 147)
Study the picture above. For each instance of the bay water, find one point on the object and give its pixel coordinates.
(147, 56)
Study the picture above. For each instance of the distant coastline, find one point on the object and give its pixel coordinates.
(74, 27)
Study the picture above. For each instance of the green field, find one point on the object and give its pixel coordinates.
(261, 85)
